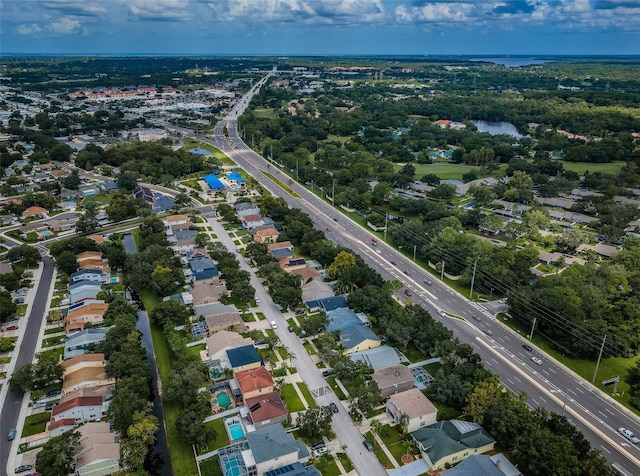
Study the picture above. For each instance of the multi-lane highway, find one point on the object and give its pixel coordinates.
(551, 385)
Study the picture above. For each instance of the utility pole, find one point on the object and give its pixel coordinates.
(333, 193)
(599, 357)
(414, 253)
(297, 178)
(473, 278)
(386, 219)
(271, 153)
(533, 326)
(442, 272)
(564, 404)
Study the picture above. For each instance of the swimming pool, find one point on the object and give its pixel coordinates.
(235, 431)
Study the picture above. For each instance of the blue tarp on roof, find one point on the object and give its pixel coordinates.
(235, 176)
(213, 182)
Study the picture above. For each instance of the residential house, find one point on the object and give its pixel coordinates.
(203, 269)
(269, 451)
(266, 234)
(411, 409)
(143, 193)
(215, 353)
(92, 314)
(220, 317)
(92, 260)
(83, 361)
(633, 229)
(484, 465)
(34, 212)
(59, 224)
(89, 190)
(343, 318)
(86, 377)
(316, 289)
(83, 341)
(109, 187)
(357, 338)
(244, 358)
(251, 222)
(83, 290)
(327, 304)
(254, 382)
(205, 293)
(266, 409)
(80, 406)
(282, 250)
(93, 275)
(243, 206)
(394, 379)
(451, 441)
(378, 357)
(606, 251)
(99, 451)
(183, 241)
(175, 223)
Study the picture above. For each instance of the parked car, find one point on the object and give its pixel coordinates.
(53, 393)
(527, 347)
(334, 407)
(290, 328)
(298, 311)
(537, 360)
(318, 445)
(408, 292)
(367, 445)
(489, 332)
(257, 300)
(302, 334)
(23, 468)
(39, 405)
(379, 252)
(274, 325)
(628, 434)
(327, 372)
(12, 328)
(406, 272)
(12, 434)
(320, 451)
(50, 406)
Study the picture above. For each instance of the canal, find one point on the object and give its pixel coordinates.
(158, 462)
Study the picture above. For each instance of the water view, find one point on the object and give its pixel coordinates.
(510, 62)
(498, 127)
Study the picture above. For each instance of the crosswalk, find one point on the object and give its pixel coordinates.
(482, 309)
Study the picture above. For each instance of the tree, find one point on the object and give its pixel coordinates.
(72, 182)
(25, 255)
(88, 222)
(242, 291)
(191, 425)
(169, 314)
(315, 422)
(314, 323)
(58, 455)
(7, 307)
(67, 262)
(163, 280)
(343, 260)
(141, 437)
(130, 396)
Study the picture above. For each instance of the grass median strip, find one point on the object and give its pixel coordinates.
(282, 185)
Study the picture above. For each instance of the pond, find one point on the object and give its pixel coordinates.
(498, 127)
(129, 243)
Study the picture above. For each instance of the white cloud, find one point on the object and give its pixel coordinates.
(337, 12)
(66, 26)
(76, 7)
(29, 29)
(167, 10)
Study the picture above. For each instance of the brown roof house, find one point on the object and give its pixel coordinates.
(215, 354)
(86, 377)
(254, 382)
(267, 409)
(90, 314)
(220, 317)
(34, 212)
(80, 406)
(411, 410)
(394, 379)
(266, 234)
(98, 453)
(175, 223)
(83, 361)
(204, 292)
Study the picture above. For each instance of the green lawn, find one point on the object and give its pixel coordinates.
(195, 350)
(34, 424)
(394, 442)
(282, 185)
(581, 167)
(382, 457)
(210, 467)
(346, 462)
(307, 395)
(54, 330)
(264, 113)
(337, 390)
(309, 348)
(221, 440)
(326, 465)
(446, 171)
(290, 397)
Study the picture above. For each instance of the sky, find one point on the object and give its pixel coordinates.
(320, 27)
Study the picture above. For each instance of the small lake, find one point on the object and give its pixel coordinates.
(129, 243)
(498, 127)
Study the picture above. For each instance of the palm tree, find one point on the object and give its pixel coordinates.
(404, 422)
(376, 425)
(292, 355)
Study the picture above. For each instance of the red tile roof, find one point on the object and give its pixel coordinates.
(253, 379)
(266, 407)
(62, 422)
(76, 402)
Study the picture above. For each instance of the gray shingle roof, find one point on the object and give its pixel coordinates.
(271, 442)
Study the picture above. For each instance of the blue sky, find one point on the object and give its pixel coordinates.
(323, 27)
